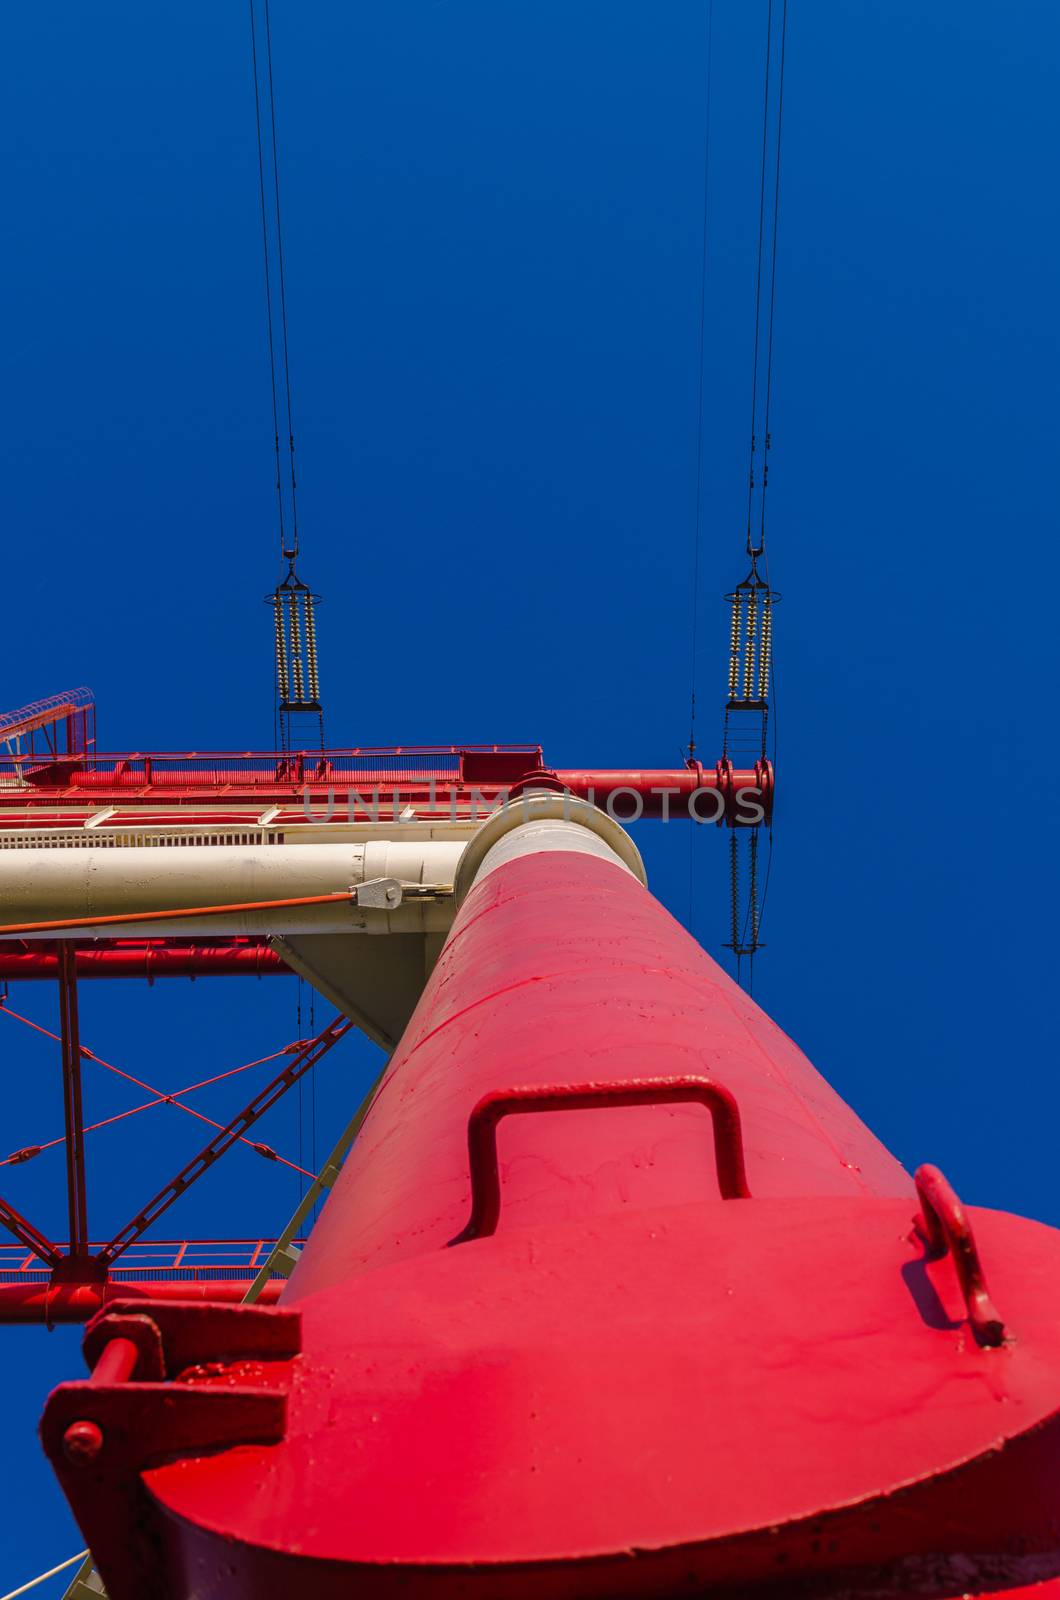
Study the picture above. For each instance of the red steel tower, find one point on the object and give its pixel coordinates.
(613, 1295)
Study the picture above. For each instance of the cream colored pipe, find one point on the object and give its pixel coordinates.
(541, 820)
(42, 885)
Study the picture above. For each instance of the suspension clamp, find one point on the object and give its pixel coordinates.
(386, 894)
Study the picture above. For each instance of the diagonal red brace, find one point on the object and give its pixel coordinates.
(229, 1135)
(28, 1235)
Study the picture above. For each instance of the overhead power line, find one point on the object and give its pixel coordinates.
(748, 725)
(773, 276)
(268, 276)
(266, 87)
(697, 542)
(283, 287)
(299, 713)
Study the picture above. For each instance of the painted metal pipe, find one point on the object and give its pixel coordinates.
(627, 792)
(36, 885)
(704, 794)
(147, 959)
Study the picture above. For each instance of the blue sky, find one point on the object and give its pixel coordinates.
(493, 231)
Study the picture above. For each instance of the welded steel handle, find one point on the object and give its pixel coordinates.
(670, 1090)
(944, 1226)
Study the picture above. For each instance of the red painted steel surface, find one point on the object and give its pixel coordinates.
(162, 1258)
(561, 968)
(149, 959)
(674, 1089)
(706, 1395)
(454, 782)
(214, 1270)
(74, 1144)
(79, 1302)
(945, 1226)
(634, 1387)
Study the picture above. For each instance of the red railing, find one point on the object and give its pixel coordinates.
(183, 1260)
(73, 711)
(393, 766)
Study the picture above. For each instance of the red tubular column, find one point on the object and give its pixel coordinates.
(561, 967)
(613, 1297)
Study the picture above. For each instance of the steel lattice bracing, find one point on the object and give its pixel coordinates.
(50, 1282)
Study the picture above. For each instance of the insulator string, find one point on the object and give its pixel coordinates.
(765, 648)
(311, 647)
(749, 643)
(296, 648)
(281, 650)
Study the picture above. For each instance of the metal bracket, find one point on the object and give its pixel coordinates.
(377, 894)
(87, 1583)
(188, 1334)
(386, 894)
(284, 1259)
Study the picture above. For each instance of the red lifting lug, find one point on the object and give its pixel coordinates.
(945, 1227)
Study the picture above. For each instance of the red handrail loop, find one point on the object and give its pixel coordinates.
(669, 1090)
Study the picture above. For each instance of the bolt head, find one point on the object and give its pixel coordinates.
(82, 1443)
